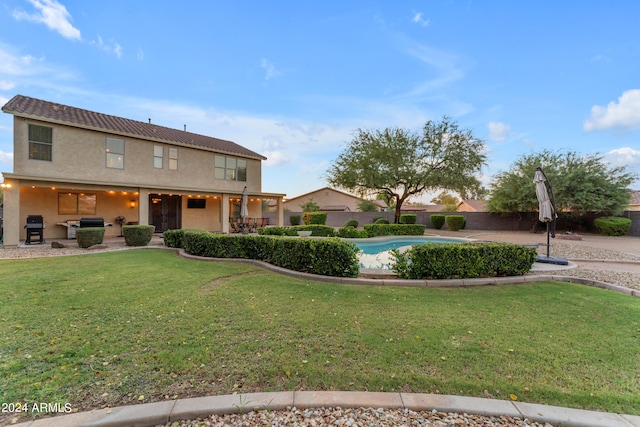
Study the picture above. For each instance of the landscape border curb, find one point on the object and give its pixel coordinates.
(157, 413)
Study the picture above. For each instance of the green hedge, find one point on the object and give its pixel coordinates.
(613, 225)
(464, 260)
(328, 257)
(408, 218)
(381, 221)
(294, 220)
(317, 230)
(351, 223)
(351, 233)
(455, 222)
(138, 235)
(437, 220)
(311, 218)
(89, 236)
(374, 230)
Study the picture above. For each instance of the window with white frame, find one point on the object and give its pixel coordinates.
(173, 159)
(158, 156)
(115, 153)
(230, 168)
(40, 142)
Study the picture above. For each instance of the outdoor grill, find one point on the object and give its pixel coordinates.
(91, 222)
(35, 228)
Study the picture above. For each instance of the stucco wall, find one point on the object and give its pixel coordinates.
(80, 154)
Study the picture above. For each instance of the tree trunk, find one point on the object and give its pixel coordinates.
(397, 217)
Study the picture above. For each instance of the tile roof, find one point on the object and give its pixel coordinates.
(24, 106)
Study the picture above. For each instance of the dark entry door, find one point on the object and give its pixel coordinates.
(165, 212)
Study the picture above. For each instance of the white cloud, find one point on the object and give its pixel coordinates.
(418, 19)
(6, 85)
(6, 158)
(270, 69)
(111, 47)
(54, 15)
(498, 131)
(625, 156)
(625, 114)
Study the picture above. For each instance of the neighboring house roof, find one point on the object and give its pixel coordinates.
(303, 196)
(24, 106)
(433, 208)
(473, 205)
(634, 203)
(335, 208)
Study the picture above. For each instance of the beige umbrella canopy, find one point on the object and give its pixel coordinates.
(244, 209)
(546, 212)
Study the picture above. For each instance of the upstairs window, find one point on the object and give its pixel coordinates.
(115, 153)
(173, 159)
(230, 168)
(158, 156)
(40, 142)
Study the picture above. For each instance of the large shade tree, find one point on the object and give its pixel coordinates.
(581, 184)
(397, 163)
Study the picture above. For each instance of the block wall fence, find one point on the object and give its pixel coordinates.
(475, 220)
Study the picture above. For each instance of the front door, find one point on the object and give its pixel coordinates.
(165, 212)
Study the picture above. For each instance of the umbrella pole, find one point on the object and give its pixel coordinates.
(548, 244)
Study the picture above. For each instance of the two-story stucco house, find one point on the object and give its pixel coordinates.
(70, 163)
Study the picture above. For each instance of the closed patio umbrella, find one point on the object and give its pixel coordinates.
(546, 212)
(244, 208)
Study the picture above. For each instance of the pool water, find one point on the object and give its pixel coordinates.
(376, 254)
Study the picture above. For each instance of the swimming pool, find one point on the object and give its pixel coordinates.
(375, 253)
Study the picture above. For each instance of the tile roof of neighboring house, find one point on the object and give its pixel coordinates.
(635, 198)
(335, 208)
(477, 205)
(24, 106)
(322, 189)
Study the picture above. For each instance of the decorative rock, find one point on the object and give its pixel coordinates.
(96, 247)
(58, 245)
(568, 236)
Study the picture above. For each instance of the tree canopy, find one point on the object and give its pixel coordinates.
(581, 184)
(397, 163)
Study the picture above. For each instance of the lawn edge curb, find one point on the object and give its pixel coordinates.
(445, 283)
(152, 414)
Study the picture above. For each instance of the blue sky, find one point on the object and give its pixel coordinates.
(292, 80)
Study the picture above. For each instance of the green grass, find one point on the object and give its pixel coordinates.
(106, 329)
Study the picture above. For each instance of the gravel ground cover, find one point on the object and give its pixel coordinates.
(359, 417)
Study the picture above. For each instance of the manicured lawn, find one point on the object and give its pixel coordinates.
(139, 326)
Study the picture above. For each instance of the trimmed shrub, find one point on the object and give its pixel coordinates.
(294, 220)
(328, 257)
(455, 222)
(464, 260)
(375, 218)
(311, 218)
(89, 236)
(613, 225)
(318, 230)
(374, 230)
(408, 218)
(351, 233)
(351, 223)
(381, 221)
(437, 220)
(138, 235)
(174, 238)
